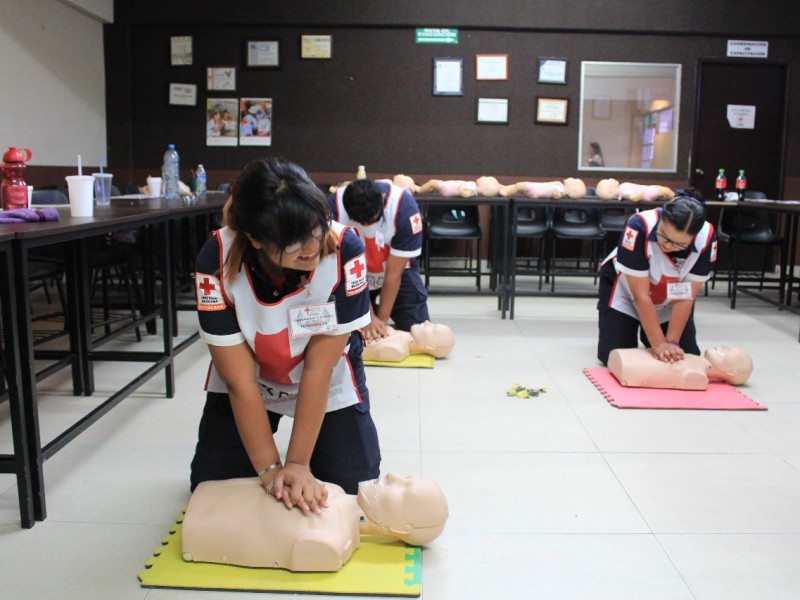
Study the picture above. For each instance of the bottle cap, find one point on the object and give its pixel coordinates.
(14, 154)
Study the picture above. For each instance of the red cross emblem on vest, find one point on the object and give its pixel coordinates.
(358, 268)
(207, 286)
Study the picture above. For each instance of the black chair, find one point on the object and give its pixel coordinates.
(613, 221)
(48, 197)
(453, 223)
(105, 263)
(576, 224)
(745, 226)
(533, 224)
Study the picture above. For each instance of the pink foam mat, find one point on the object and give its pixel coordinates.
(718, 395)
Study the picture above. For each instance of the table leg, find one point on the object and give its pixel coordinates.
(168, 312)
(79, 316)
(27, 381)
(19, 430)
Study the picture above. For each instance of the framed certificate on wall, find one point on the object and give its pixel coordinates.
(315, 46)
(492, 110)
(221, 79)
(552, 111)
(448, 76)
(262, 53)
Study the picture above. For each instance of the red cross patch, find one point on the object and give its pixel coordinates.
(209, 292)
(629, 239)
(416, 223)
(355, 275)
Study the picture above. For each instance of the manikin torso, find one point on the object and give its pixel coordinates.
(236, 522)
(435, 339)
(637, 367)
(292, 540)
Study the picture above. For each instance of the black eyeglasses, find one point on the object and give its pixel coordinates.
(672, 243)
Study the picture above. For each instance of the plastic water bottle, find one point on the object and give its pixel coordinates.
(361, 173)
(720, 183)
(201, 180)
(171, 173)
(741, 185)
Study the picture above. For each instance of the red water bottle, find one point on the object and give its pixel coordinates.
(15, 190)
(720, 183)
(741, 185)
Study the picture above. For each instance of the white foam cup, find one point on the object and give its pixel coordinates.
(81, 195)
(154, 185)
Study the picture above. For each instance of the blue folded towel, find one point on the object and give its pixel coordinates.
(25, 215)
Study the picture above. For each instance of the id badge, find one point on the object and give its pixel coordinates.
(312, 318)
(679, 290)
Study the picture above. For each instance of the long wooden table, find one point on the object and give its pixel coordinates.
(152, 214)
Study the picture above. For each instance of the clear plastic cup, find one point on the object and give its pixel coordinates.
(102, 188)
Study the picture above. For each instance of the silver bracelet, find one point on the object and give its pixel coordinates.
(276, 465)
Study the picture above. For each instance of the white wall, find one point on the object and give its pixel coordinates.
(52, 80)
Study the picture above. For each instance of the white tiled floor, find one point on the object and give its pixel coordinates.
(560, 496)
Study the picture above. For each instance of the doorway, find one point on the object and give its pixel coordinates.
(717, 145)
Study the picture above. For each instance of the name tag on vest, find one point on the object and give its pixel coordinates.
(312, 318)
(679, 290)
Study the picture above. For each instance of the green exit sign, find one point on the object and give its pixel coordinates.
(433, 35)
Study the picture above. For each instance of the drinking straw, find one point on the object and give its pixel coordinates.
(80, 168)
(101, 165)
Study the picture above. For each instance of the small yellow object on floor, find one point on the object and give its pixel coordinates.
(415, 360)
(381, 566)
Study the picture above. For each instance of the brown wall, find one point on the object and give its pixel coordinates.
(371, 103)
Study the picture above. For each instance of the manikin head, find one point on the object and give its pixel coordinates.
(435, 339)
(732, 362)
(412, 509)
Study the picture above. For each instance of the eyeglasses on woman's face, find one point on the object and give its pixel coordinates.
(316, 234)
(665, 240)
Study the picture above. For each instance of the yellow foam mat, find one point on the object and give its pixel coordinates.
(412, 361)
(379, 567)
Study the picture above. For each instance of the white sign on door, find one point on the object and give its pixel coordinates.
(741, 116)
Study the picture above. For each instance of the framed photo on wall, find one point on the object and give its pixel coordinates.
(222, 121)
(263, 54)
(492, 110)
(552, 111)
(448, 76)
(182, 94)
(491, 67)
(255, 122)
(221, 79)
(552, 70)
